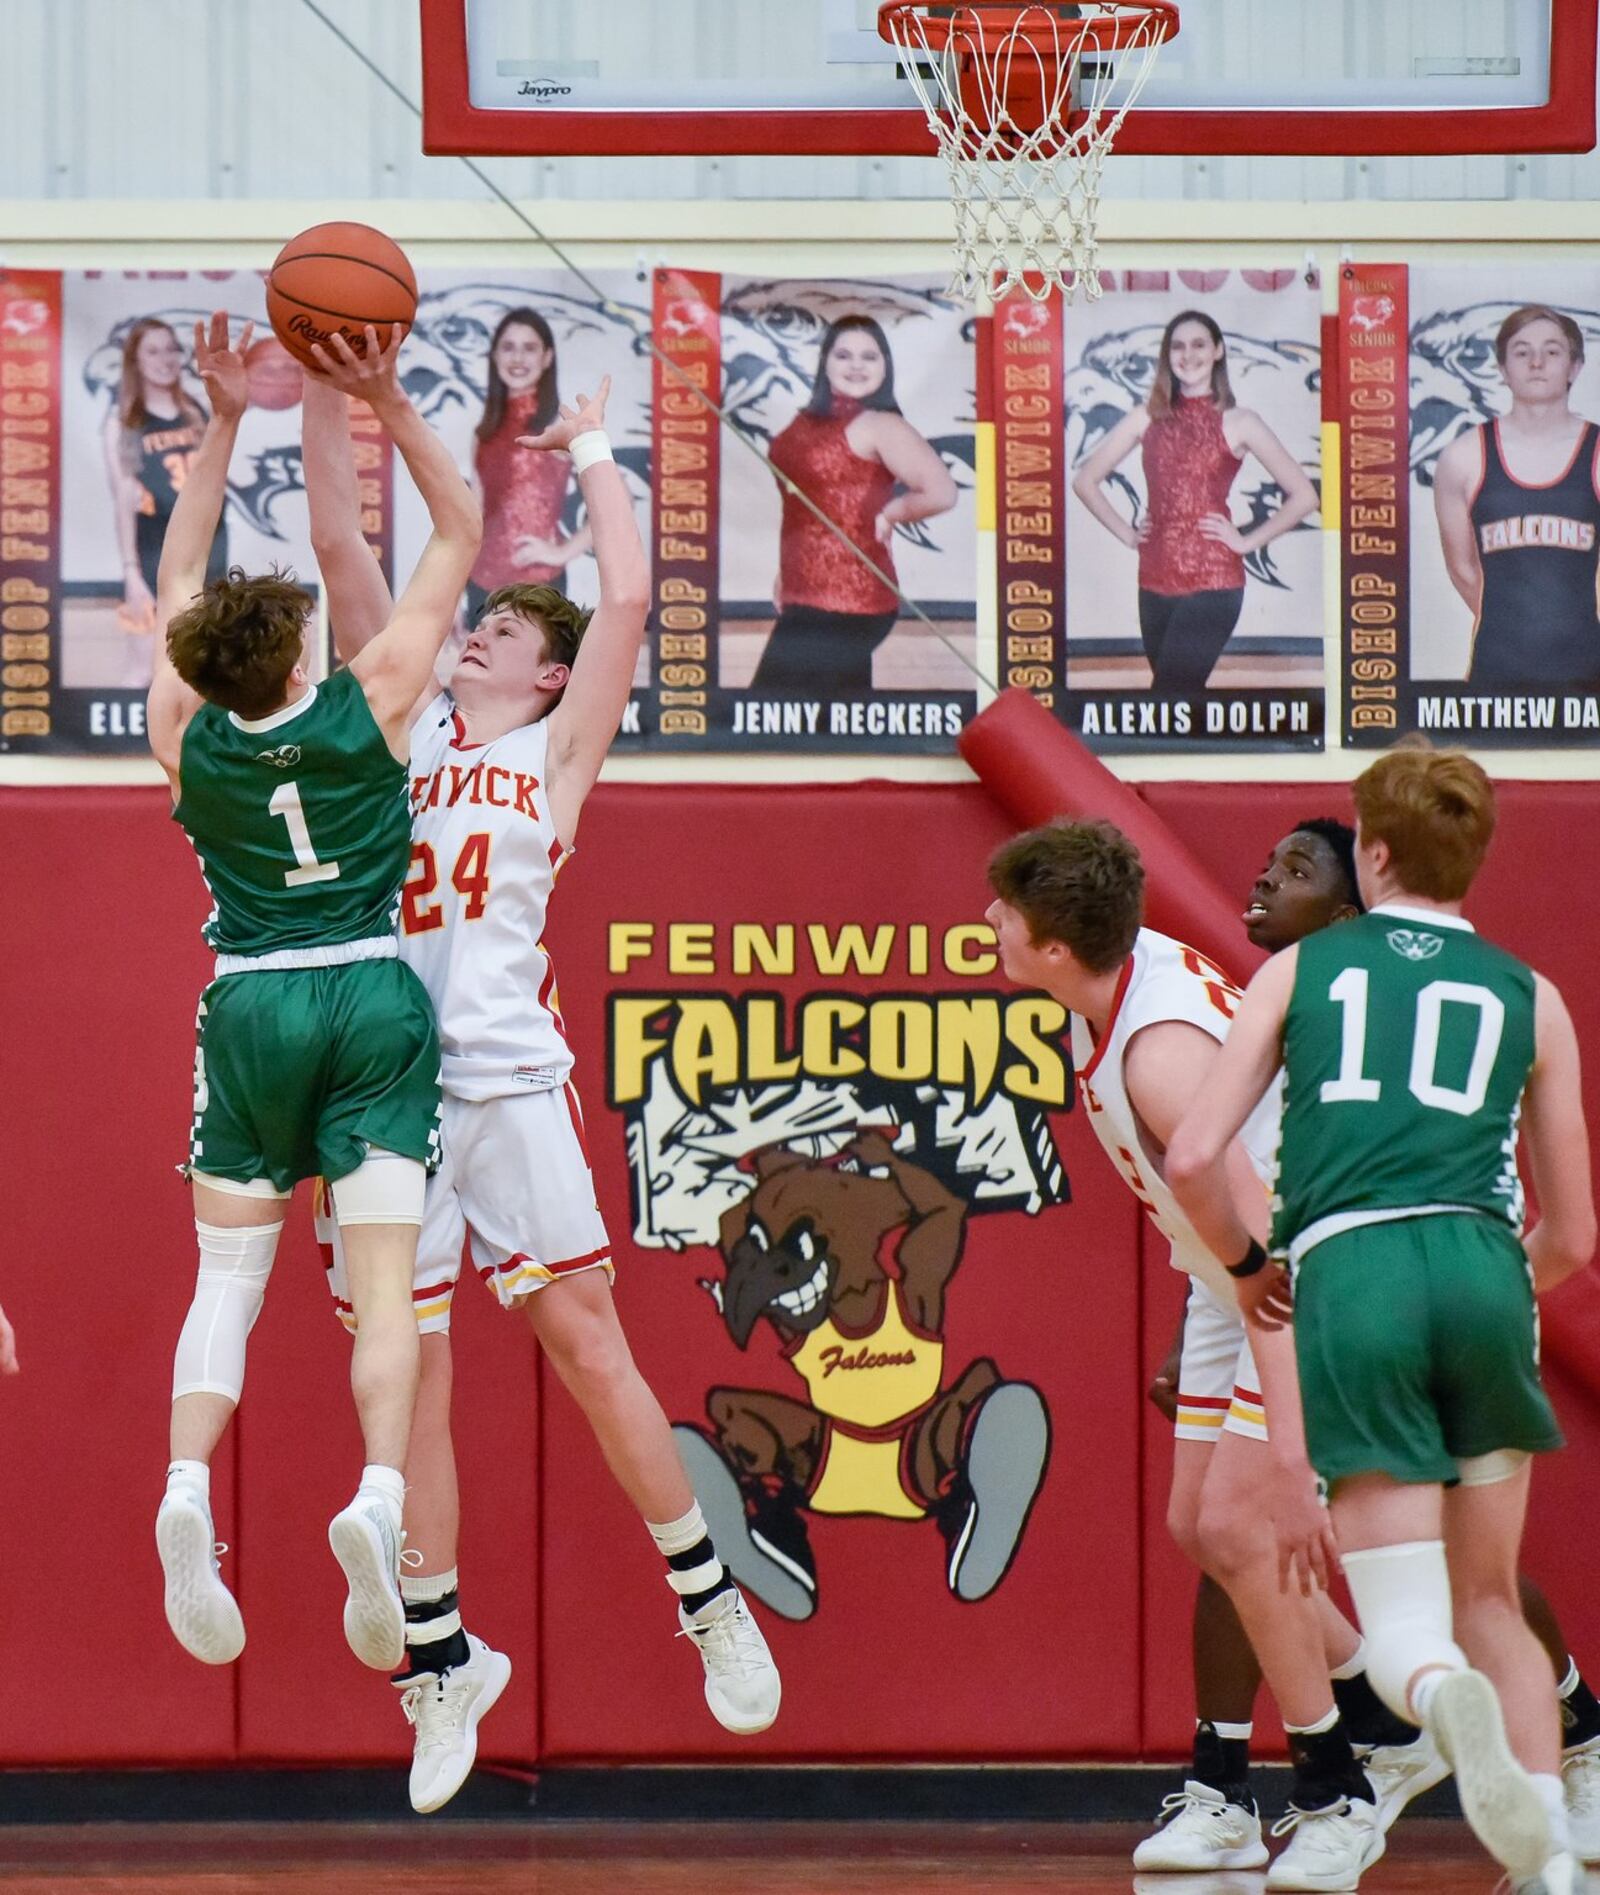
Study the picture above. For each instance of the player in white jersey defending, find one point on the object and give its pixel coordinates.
(1148, 1016)
(502, 761)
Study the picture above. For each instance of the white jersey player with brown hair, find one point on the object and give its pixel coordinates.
(501, 762)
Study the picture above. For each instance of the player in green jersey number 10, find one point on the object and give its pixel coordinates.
(1411, 1049)
(317, 1049)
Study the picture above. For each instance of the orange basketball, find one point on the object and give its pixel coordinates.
(333, 279)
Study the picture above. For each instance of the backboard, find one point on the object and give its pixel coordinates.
(1295, 77)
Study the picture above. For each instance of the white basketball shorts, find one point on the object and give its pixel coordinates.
(514, 1180)
(1218, 1387)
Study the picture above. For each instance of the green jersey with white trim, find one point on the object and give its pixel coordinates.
(1407, 1046)
(300, 820)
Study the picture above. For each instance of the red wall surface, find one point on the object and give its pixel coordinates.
(1082, 1652)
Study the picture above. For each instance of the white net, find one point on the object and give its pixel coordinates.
(1026, 102)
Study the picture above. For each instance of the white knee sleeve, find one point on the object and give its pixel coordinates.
(383, 1189)
(1402, 1598)
(234, 1267)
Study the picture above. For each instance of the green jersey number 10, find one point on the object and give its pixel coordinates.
(1350, 990)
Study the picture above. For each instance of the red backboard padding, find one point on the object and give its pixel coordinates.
(101, 963)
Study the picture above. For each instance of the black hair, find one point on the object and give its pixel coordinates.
(882, 397)
(1341, 838)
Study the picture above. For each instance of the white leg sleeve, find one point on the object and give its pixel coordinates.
(383, 1189)
(1402, 1598)
(234, 1267)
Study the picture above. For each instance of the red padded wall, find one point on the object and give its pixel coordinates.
(101, 963)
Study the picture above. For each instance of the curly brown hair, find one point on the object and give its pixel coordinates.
(239, 640)
(562, 622)
(1080, 883)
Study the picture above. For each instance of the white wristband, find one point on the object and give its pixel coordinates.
(588, 448)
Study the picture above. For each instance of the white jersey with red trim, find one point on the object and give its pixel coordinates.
(1164, 980)
(484, 857)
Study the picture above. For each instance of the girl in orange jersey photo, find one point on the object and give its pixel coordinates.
(150, 435)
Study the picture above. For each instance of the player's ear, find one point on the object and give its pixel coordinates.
(554, 677)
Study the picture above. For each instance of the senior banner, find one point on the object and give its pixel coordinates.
(1159, 472)
(1472, 521)
(816, 543)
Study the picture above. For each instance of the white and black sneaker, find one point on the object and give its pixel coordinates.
(1399, 1773)
(742, 1684)
(365, 1539)
(446, 1708)
(1580, 1780)
(1329, 1848)
(1498, 1798)
(203, 1614)
(1201, 1829)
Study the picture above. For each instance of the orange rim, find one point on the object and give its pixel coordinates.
(992, 22)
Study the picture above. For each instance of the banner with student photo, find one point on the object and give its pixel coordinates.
(816, 550)
(122, 417)
(1472, 503)
(492, 355)
(1160, 552)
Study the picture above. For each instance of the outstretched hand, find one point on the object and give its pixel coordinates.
(589, 412)
(221, 367)
(374, 377)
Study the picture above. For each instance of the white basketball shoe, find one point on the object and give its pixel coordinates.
(1328, 1848)
(1399, 1773)
(446, 1709)
(365, 1539)
(1561, 1875)
(742, 1683)
(203, 1614)
(1498, 1798)
(1200, 1829)
(1580, 1777)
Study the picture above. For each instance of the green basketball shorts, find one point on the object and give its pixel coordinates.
(298, 1072)
(1418, 1346)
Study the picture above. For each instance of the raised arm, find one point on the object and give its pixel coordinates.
(1557, 1143)
(584, 722)
(916, 466)
(1454, 479)
(1106, 459)
(186, 549)
(395, 668)
(359, 601)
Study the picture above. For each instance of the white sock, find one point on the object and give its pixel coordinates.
(386, 1481)
(1423, 1688)
(190, 1474)
(1235, 1733)
(1553, 1796)
(425, 1590)
(677, 1536)
(1323, 1723)
(1352, 1667)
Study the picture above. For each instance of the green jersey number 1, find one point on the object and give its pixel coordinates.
(1350, 990)
(286, 803)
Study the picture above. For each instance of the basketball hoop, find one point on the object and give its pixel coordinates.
(1026, 101)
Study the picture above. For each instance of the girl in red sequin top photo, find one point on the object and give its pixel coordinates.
(523, 496)
(855, 456)
(1194, 439)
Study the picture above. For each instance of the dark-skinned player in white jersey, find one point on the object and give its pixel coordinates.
(1411, 1052)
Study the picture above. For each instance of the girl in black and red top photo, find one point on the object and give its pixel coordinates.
(523, 495)
(1194, 439)
(853, 453)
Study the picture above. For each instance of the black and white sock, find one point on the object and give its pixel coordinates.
(1222, 1759)
(435, 1641)
(1325, 1767)
(694, 1572)
(1580, 1713)
(1367, 1718)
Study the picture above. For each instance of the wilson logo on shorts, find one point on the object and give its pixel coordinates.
(1411, 946)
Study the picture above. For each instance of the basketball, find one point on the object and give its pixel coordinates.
(334, 279)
